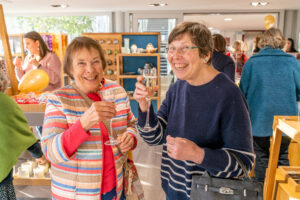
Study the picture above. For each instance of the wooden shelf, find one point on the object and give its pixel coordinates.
(129, 76)
(31, 181)
(139, 54)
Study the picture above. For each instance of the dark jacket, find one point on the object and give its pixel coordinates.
(224, 64)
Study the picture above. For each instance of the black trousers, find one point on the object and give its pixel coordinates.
(261, 149)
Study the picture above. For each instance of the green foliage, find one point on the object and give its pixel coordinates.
(71, 25)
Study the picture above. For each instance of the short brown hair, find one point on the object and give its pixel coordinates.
(219, 43)
(78, 44)
(272, 38)
(35, 36)
(200, 36)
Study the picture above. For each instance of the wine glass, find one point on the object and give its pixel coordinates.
(108, 95)
(150, 81)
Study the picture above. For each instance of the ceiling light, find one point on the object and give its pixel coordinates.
(60, 5)
(263, 3)
(259, 3)
(157, 4)
(210, 28)
(228, 19)
(255, 3)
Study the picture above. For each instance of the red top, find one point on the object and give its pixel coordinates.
(76, 135)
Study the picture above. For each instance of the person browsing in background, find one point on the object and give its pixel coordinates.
(271, 85)
(220, 61)
(290, 46)
(16, 137)
(203, 117)
(74, 134)
(255, 45)
(238, 56)
(39, 56)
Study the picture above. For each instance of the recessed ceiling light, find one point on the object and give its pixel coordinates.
(157, 4)
(60, 5)
(264, 3)
(259, 3)
(255, 3)
(228, 19)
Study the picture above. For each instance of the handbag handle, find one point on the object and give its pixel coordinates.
(242, 165)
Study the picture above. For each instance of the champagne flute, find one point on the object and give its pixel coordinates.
(108, 95)
(150, 81)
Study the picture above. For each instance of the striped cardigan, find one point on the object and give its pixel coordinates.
(79, 176)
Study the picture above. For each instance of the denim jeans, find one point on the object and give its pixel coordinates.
(110, 195)
(261, 149)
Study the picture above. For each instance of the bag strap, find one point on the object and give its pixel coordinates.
(242, 165)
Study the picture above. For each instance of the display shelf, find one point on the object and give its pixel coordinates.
(131, 62)
(31, 181)
(291, 127)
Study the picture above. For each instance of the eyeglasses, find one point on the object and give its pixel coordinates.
(181, 50)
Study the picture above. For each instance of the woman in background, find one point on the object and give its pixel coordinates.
(271, 85)
(290, 46)
(41, 57)
(220, 61)
(239, 57)
(16, 137)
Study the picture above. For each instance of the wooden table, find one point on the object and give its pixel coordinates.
(290, 126)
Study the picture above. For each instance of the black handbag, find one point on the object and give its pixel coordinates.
(206, 187)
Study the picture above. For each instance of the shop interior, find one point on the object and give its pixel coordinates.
(117, 25)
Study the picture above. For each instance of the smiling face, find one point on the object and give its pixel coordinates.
(87, 70)
(186, 66)
(32, 46)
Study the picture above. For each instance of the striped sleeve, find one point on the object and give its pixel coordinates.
(55, 123)
(224, 164)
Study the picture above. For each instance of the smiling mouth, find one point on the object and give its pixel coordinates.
(91, 78)
(180, 66)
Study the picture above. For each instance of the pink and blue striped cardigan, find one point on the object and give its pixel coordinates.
(79, 176)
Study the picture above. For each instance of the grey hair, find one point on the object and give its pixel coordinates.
(3, 81)
(273, 38)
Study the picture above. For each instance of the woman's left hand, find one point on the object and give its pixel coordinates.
(184, 149)
(126, 140)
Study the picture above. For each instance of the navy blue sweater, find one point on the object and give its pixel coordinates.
(215, 117)
(224, 64)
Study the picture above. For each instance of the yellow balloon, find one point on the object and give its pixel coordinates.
(269, 21)
(34, 81)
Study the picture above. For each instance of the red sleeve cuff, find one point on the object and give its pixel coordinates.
(73, 138)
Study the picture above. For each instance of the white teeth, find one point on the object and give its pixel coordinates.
(90, 79)
(180, 66)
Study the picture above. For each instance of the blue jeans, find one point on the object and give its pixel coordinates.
(110, 195)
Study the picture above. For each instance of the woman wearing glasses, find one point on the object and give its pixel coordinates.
(202, 119)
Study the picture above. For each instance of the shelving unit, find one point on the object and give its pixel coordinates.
(274, 189)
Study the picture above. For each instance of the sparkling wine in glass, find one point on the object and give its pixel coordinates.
(108, 95)
(150, 81)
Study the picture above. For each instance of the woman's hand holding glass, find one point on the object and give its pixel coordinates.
(126, 142)
(99, 111)
(141, 93)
